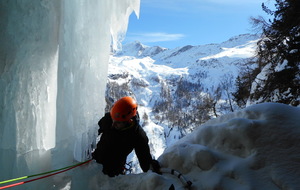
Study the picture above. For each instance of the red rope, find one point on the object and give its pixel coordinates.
(23, 182)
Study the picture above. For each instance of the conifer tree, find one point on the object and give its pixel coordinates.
(279, 51)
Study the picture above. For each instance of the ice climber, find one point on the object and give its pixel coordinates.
(122, 133)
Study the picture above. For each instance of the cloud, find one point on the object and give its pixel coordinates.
(153, 37)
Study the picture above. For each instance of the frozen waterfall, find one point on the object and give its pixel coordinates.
(53, 67)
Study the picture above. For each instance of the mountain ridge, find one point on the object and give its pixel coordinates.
(169, 84)
(191, 54)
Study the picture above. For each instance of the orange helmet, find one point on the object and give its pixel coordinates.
(124, 109)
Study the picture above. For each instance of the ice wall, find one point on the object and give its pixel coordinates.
(54, 57)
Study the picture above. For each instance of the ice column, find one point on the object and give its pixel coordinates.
(53, 67)
(28, 83)
(84, 49)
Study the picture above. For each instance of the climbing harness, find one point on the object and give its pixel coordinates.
(186, 182)
(43, 175)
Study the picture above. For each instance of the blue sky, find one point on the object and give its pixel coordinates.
(175, 23)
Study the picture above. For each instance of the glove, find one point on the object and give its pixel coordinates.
(155, 166)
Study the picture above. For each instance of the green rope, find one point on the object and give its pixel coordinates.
(44, 173)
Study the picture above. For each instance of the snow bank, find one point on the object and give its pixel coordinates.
(255, 148)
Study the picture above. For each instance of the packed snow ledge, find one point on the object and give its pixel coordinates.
(255, 148)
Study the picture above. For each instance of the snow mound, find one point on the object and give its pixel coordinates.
(255, 148)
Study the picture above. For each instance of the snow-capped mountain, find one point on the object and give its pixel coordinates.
(178, 89)
(137, 49)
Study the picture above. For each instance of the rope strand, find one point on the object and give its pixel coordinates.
(179, 175)
(58, 171)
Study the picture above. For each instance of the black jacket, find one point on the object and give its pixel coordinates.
(114, 146)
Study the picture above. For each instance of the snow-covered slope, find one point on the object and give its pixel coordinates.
(169, 84)
(241, 150)
(254, 148)
(205, 65)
